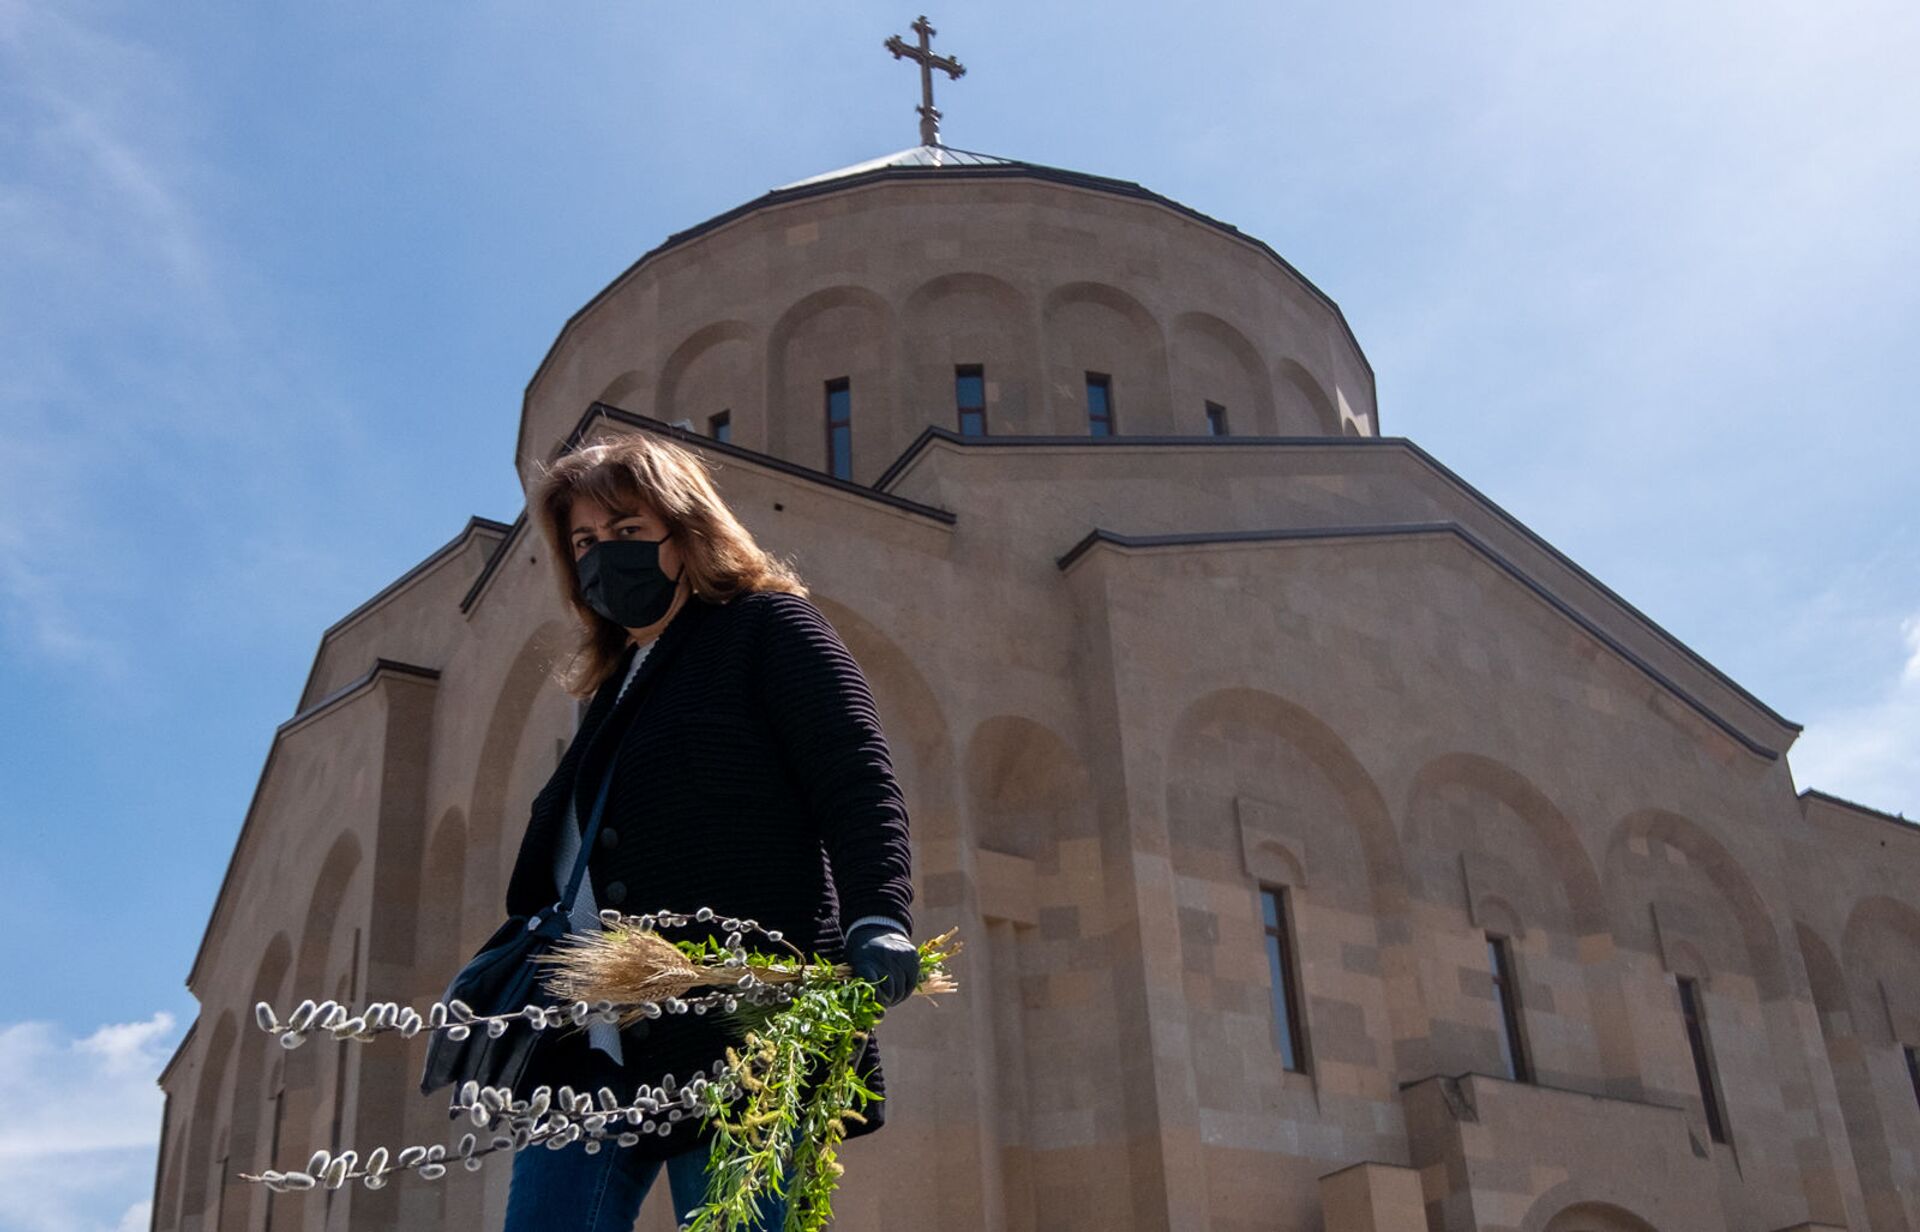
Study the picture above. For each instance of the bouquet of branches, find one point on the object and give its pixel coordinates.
(781, 1097)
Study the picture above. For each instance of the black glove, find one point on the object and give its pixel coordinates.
(888, 957)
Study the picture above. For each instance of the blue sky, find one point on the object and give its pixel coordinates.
(272, 280)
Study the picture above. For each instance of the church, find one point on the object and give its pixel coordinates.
(1331, 852)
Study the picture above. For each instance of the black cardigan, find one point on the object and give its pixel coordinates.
(753, 778)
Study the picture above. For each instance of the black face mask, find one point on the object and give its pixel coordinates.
(621, 580)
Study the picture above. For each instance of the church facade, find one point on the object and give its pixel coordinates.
(1331, 852)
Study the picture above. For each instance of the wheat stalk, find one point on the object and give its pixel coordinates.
(629, 965)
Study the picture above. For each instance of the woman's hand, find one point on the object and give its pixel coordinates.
(888, 957)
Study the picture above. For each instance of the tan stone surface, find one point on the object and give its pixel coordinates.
(1369, 1197)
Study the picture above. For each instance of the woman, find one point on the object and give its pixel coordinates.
(751, 777)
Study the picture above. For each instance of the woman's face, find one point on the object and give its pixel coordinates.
(589, 522)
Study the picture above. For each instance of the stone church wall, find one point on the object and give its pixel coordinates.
(1323, 666)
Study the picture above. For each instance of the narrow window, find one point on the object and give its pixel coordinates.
(273, 1143)
(339, 1090)
(1913, 1069)
(1506, 992)
(347, 989)
(1216, 419)
(1690, 1010)
(1289, 1028)
(720, 427)
(1099, 404)
(839, 428)
(970, 396)
(220, 1194)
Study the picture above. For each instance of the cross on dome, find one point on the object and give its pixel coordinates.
(923, 55)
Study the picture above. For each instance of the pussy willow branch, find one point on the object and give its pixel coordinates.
(558, 1118)
(459, 1020)
(547, 1117)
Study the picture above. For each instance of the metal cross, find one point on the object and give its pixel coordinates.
(929, 114)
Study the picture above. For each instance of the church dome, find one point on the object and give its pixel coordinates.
(834, 319)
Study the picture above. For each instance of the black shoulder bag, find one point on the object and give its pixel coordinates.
(502, 979)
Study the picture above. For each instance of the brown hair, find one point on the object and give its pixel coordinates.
(621, 472)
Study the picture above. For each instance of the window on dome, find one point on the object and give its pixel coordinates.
(1913, 1068)
(720, 427)
(970, 397)
(1216, 419)
(1099, 404)
(840, 428)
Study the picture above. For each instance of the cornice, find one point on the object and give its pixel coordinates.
(179, 1051)
(598, 412)
(1907, 824)
(493, 562)
(476, 525)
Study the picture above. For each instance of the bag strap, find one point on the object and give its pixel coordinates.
(592, 829)
(586, 839)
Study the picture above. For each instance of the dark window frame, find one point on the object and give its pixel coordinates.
(1283, 963)
(970, 372)
(1104, 383)
(279, 1104)
(840, 385)
(1217, 419)
(720, 426)
(1913, 1068)
(351, 983)
(1506, 997)
(1693, 1015)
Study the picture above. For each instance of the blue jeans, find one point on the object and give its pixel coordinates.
(568, 1190)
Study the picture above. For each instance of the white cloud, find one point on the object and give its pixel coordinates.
(1870, 753)
(77, 1149)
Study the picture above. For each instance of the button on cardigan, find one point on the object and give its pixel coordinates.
(753, 778)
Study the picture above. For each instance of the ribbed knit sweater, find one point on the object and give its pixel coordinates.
(753, 777)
